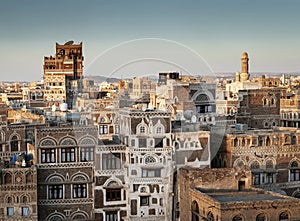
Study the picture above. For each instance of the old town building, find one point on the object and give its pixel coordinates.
(259, 108)
(290, 108)
(65, 162)
(225, 194)
(272, 156)
(62, 73)
(147, 134)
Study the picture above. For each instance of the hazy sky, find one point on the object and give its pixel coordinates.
(218, 31)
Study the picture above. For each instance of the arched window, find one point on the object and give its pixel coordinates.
(29, 178)
(8, 178)
(296, 194)
(9, 199)
(78, 217)
(273, 101)
(265, 101)
(210, 216)
(261, 217)
(235, 142)
(24, 199)
(56, 218)
(268, 141)
(195, 211)
(284, 216)
(113, 191)
(237, 218)
(14, 143)
(294, 171)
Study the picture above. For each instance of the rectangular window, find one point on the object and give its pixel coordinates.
(86, 154)
(25, 211)
(256, 178)
(48, 155)
(111, 161)
(269, 178)
(294, 174)
(113, 194)
(111, 216)
(79, 190)
(150, 172)
(103, 129)
(68, 154)
(10, 211)
(132, 143)
(55, 191)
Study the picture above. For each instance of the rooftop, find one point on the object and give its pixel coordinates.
(225, 196)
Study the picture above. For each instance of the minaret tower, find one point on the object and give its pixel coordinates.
(245, 75)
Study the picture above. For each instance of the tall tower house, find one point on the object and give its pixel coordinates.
(62, 73)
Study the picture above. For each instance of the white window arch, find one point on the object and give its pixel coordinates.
(142, 128)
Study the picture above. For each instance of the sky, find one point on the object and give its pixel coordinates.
(135, 37)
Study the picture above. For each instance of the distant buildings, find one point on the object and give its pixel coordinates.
(72, 149)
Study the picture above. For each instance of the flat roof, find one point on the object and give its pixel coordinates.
(225, 196)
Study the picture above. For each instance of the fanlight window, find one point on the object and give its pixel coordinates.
(237, 218)
(113, 184)
(269, 164)
(261, 217)
(150, 159)
(47, 143)
(284, 216)
(294, 164)
(254, 165)
(68, 142)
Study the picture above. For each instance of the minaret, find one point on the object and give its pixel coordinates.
(244, 75)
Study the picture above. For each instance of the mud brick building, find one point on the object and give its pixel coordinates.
(259, 108)
(290, 108)
(18, 193)
(272, 156)
(65, 162)
(225, 194)
(62, 73)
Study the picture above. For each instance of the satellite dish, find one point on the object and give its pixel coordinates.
(194, 119)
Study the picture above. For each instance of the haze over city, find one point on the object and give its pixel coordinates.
(219, 31)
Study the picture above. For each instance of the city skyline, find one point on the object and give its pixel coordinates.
(218, 31)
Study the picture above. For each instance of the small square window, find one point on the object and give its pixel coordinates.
(144, 200)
